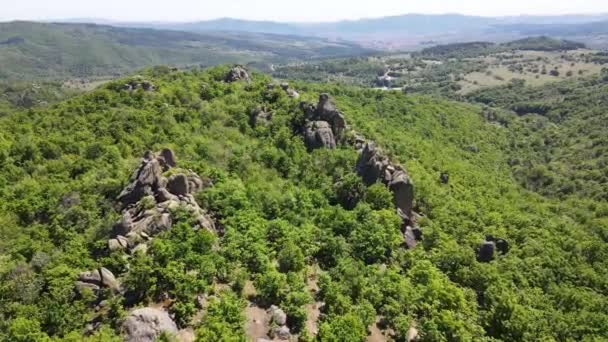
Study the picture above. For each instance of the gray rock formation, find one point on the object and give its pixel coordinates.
(486, 251)
(444, 178)
(281, 333)
(237, 73)
(120, 243)
(259, 116)
(326, 116)
(373, 166)
(138, 82)
(289, 91)
(147, 324)
(168, 156)
(96, 279)
(279, 317)
(178, 185)
(403, 191)
(149, 199)
(145, 181)
(488, 248)
(318, 134)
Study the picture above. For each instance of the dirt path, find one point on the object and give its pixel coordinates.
(257, 324)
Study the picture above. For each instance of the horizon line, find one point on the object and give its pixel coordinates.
(93, 20)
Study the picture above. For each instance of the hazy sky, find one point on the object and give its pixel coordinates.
(283, 10)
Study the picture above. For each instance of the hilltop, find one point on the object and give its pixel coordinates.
(323, 211)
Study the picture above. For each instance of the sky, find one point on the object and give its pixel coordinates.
(282, 10)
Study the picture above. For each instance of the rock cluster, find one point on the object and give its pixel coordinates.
(97, 279)
(237, 73)
(319, 134)
(324, 124)
(260, 116)
(286, 88)
(139, 83)
(488, 248)
(374, 166)
(149, 198)
(280, 330)
(147, 324)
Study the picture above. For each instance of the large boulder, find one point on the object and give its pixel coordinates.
(108, 280)
(488, 248)
(289, 91)
(259, 116)
(326, 111)
(147, 324)
(279, 317)
(118, 243)
(281, 333)
(178, 185)
(145, 181)
(502, 246)
(96, 279)
(371, 165)
(168, 156)
(486, 251)
(237, 73)
(318, 134)
(403, 192)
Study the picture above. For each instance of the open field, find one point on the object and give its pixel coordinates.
(534, 67)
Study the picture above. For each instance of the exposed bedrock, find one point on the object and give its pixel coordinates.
(149, 199)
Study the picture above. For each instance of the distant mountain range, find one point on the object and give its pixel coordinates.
(48, 50)
(412, 28)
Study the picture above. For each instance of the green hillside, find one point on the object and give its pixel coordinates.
(37, 50)
(559, 140)
(293, 228)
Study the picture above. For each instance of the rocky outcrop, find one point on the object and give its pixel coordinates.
(402, 188)
(373, 166)
(149, 199)
(145, 181)
(320, 120)
(259, 116)
(490, 246)
(237, 73)
(139, 82)
(444, 178)
(278, 315)
(147, 324)
(286, 88)
(97, 279)
(318, 134)
(280, 329)
(325, 127)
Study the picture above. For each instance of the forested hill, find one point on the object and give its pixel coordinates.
(559, 134)
(30, 50)
(249, 216)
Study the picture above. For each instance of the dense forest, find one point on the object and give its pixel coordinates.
(32, 50)
(294, 227)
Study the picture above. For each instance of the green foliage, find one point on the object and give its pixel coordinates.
(379, 197)
(291, 258)
(281, 208)
(342, 329)
(224, 320)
